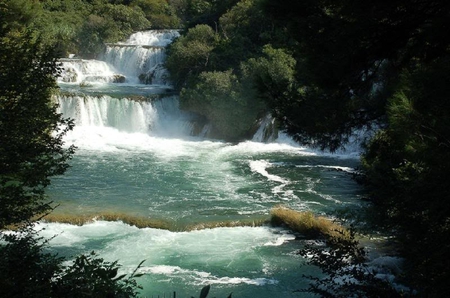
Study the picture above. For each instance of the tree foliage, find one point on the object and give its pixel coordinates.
(32, 151)
(27, 270)
(190, 54)
(31, 130)
(406, 166)
(230, 104)
(352, 54)
(160, 13)
(204, 60)
(344, 263)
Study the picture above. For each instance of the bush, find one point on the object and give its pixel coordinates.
(26, 270)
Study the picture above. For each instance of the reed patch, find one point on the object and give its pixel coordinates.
(306, 223)
(140, 222)
(226, 224)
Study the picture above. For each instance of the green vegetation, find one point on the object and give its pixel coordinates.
(31, 152)
(83, 27)
(30, 129)
(347, 274)
(26, 270)
(213, 66)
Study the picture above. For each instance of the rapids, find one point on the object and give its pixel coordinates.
(145, 158)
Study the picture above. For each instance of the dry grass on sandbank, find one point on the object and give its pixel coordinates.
(226, 224)
(79, 220)
(143, 222)
(302, 222)
(306, 223)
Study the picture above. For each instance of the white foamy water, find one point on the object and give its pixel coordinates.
(159, 38)
(223, 257)
(260, 166)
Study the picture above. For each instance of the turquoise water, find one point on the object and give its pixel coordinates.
(190, 180)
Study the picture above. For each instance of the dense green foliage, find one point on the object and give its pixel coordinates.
(83, 27)
(407, 166)
(31, 131)
(225, 46)
(385, 62)
(31, 152)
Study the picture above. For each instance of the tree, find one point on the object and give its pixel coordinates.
(406, 165)
(27, 270)
(189, 55)
(351, 53)
(31, 152)
(31, 130)
(159, 12)
(346, 273)
(367, 61)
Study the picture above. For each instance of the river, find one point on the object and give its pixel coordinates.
(138, 155)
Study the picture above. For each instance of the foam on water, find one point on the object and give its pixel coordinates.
(260, 166)
(175, 255)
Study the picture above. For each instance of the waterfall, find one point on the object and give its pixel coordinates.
(267, 131)
(137, 60)
(96, 98)
(141, 57)
(82, 71)
(160, 117)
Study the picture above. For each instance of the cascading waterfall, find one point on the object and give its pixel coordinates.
(136, 156)
(140, 58)
(81, 71)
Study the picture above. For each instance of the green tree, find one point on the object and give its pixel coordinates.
(406, 165)
(346, 273)
(207, 11)
(28, 270)
(31, 152)
(31, 130)
(189, 55)
(367, 61)
(352, 53)
(159, 12)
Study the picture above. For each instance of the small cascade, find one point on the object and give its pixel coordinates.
(137, 63)
(138, 60)
(82, 71)
(156, 38)
(141, 57)
(267, 131)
